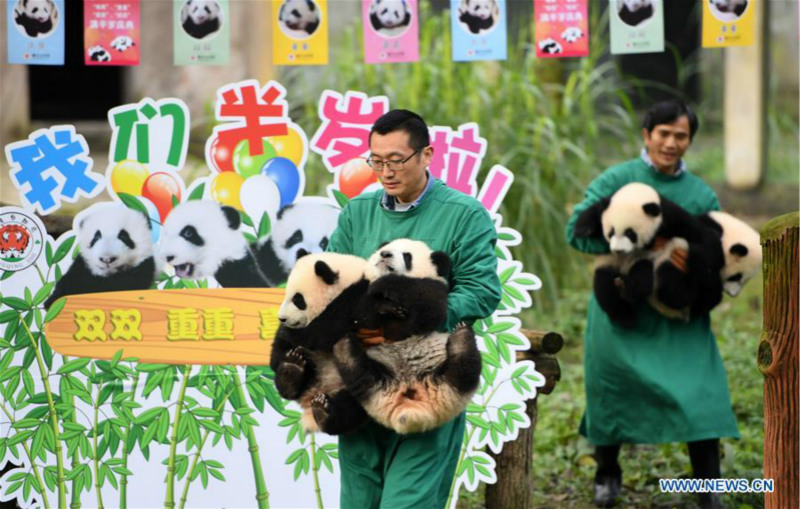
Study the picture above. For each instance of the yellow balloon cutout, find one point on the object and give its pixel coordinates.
(225, 189)
(128, 177)
(290, 146)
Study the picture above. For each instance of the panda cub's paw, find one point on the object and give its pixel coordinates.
(320, 402)
(392, 309)
(295, 359)
(461, 340)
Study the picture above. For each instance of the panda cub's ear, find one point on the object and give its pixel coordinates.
(739, 250)
(652, 209)
(442, 263)
(301, 253)
(311, 6)
(590, 221)
(324, 271)
(233, 217)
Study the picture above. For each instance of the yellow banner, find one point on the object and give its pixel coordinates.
(300, 29)
(192, 326)
(729, 23)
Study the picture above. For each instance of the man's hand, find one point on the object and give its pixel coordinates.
(679, 258)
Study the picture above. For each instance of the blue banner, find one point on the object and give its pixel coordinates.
(35, 32)
(479, 30)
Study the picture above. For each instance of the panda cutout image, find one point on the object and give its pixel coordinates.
(572, 34)
(419, 382)
(644, 230)
(303, 227)
(299, 18)
(549, 46)
(634, 12)
(201, 239)
(478, 15)
(319, 309)
(122, 43)
(389, 17)
(99, 54)
(116, 254)
(35, 17)
(201, 18)
(741, 246)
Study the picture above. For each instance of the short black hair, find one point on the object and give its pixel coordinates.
(403, 120)
(667, 112)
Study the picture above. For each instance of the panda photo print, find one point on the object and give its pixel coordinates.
(201, 18)
(36, 18)
(390, 18)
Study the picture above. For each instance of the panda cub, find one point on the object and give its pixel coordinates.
(99, 54)
(478, 15)
(301, 228)
(418, 382)
(200, 18)
(299, 16)
(389, 15)
(550, 46)
(116, 254)
(201, 239)
(643, 230)
(319, 309)
(741, 246)
(634, 12)
(36, 17)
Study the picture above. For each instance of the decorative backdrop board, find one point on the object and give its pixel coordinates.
(159, 393)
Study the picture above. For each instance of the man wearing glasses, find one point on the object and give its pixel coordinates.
(381, 469)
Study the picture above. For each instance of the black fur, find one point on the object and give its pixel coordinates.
(462, 367)
(377, 25)
(33, 27)
(202, 30)
(241, 273)
(269, 263)
(79, 279)
(609, 288)
(324, 271)
(475, 23)
(633, 18)
(589, 223)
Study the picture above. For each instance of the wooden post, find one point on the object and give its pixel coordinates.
(778, 358)
(514, 488)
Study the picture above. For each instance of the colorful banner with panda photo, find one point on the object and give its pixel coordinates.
(637, 26)
(300, 32)
(478, 29)
(202, 33)
(561, 28)
(728, 23)
(391, 31)
(35, 31)
(111, 32)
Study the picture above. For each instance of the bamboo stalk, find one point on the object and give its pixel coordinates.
(315, 469)
(31, 459)
(96, 457)
(169, 503)
(262, 495)
(123, 481)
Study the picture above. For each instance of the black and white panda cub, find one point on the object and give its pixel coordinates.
(201, 238)
(35, 16)
(116, 254)
(643, 230)
(322, 293)
(299, 15)
(200, 18)
(478, 14)
(633, 12)
(389, 14)
(741, 246)
(418, 382)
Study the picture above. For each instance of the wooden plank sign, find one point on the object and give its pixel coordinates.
(189, 326)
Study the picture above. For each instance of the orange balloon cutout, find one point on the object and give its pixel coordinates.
(355, 176)
(159, 188)
(221, 155)
(226, 188)
(291, 146)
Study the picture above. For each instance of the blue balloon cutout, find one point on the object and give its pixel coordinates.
(286, 176)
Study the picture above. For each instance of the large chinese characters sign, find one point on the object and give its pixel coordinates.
(134, 347)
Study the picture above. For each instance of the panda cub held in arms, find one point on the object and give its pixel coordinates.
(418, 382)
(645, 233)
(116, 254)
(319, 309)
(201, 239)
(741, 246)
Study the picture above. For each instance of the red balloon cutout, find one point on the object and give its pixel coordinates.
(222, 155)
(355, 176)
(159, 188)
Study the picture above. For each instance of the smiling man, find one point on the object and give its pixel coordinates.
(663, 380)
(379, 468)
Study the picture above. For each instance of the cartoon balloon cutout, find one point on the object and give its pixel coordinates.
(285, 174)
(259, 194)
(290, 146)
(221, 155)
(159, 188)
(247, 165)
(355, 176)
(153, 218)
(128, 177)
(226, 188)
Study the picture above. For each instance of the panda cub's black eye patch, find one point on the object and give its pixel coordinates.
(631, 235)
(611, 233)
(126, 239)
(295, 13)
(323, 243)
(407, 259)
(299, 301)
(96, 237)
(296, 238)
(189, 233)
(735, 278)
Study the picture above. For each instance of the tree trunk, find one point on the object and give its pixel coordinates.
(777, 360)
(514, 486)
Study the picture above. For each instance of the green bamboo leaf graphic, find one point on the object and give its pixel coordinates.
(16, 303)
(217, 474)
(48, 254)
(247, 220)
(205, 412)
(19, 438)
(197, 192)
(341, 198)
(55, 309)
(7, 316)
(506, 274)
(264, 226)
(74, 365)
(63, 249)
(132, 202)
(42, 294)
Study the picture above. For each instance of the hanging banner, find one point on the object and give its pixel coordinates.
(561, 28)
(637, 26)
(391, 31)
(728, 23)
(35, 32)
(479, 30)
(300, 29)
(202, 33)
(111, 32)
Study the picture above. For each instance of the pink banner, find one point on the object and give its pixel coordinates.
(562, 28)
(111, 32)
(391, 31)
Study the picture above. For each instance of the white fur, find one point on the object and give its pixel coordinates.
(108, 255)
(391, 13)
(483, 9)
(40, 10)
(200, 11)
(572, 34)
(220, 241)
(297, 15)
(735, 231)
(633, 5)
(379, 264)
(122, 43)
(625, 211)
(312, 221)
(316, 293)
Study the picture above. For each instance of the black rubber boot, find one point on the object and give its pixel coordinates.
(608, 479)
(704, 456)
